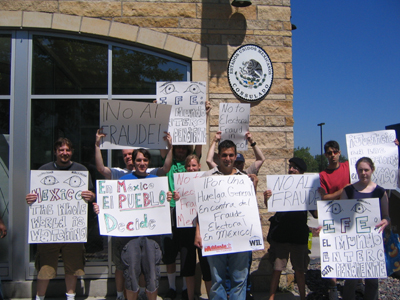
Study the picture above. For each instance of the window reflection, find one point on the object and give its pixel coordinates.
(4, 169)
(5, 63)
(136, 72)
(68, 66)
(77, 120)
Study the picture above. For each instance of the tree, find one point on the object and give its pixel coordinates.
(304, 153)
(314, 162)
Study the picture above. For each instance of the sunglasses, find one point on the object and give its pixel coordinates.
(332, 152)
(294, 167)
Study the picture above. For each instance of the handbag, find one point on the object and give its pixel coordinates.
(392, 252)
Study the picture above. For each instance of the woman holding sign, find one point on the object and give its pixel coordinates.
(186, 245)
(366, 188)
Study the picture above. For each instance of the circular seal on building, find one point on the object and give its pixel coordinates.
(250, 73)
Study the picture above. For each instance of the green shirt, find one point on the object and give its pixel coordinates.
(177, 167)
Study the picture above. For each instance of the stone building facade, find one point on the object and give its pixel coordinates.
(202, 33)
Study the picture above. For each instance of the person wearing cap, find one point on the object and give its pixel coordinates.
(288, 236)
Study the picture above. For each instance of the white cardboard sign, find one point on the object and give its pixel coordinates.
(186, 209)
(234, 119)
(136, 207)
(130, 124)
(350, 245)
(380, 147)
(294, 192)
(228, 214)
(187, 123)
(59, 215)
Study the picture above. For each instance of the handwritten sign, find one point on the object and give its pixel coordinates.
(59, 214)
(186, 209)
(380, 147)
(293, 192)
(133, 207)
(234, 119)
(228, 214)
(130, 124)
(188, 121)
(350, 245)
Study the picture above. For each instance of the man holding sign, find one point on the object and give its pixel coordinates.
(236, 262)
(72, 253)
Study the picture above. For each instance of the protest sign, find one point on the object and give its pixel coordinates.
(234, 119)
(186, 209)
(228, 214)
(380, 147)
(59, 215)
(130, 124)
(350, 245)
(187, 123)
(293, 192)
(136, 207)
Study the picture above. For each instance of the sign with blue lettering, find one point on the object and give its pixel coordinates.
(350, 244)
(136, 207)
(380, 147)
(59, 214)
(293, 192)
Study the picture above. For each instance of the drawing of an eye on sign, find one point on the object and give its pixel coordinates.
(351, 246)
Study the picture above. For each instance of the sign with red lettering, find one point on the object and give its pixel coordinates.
(186, 209)
(136, 207)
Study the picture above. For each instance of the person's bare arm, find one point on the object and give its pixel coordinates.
(198, 242)
(168, 157)
(334, 196)
(267, 195)
(210, 155)
(105, 171)
(384, 204)
(3, 229)
(260, 158)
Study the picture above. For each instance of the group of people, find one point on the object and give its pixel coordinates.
(225, 275)
(288, 234)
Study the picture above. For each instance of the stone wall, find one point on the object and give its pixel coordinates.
(217, 29)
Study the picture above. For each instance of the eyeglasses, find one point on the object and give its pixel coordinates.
(332, 152)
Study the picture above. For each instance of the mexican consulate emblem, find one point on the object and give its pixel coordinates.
(250, 73)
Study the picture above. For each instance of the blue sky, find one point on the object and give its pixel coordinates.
(346, 68)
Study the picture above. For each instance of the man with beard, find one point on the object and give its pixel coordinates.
(72, 253)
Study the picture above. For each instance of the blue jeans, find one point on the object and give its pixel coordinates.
(238, 264)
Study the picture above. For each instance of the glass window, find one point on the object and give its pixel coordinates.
(68, 66)
(5, 63)
(77, 120)
(137, 72)
(4, 168)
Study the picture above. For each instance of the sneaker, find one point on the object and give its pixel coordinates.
(170, 295)
(184, 295)
(120, 298)
(333, 294)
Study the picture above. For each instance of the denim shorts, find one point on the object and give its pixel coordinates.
(141, 255)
